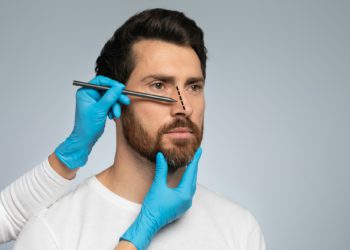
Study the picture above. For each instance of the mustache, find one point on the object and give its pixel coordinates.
(180, 123)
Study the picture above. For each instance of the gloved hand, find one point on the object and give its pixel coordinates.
(162, 204)
(91, 112)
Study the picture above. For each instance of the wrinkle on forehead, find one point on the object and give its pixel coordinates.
(165, 58)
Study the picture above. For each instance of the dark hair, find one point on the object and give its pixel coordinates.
(116, 59)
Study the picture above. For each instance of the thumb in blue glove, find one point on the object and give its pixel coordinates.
(162, 204)
(92, 109)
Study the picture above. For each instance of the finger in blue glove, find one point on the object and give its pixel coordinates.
(90, 118)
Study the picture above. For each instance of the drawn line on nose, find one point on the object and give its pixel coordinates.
(178, 92)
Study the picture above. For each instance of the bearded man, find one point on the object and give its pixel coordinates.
(145, 196)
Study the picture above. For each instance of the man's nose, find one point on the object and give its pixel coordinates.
(183, 105)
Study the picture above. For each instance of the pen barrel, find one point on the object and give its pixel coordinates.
(89, 85)
(125, 92)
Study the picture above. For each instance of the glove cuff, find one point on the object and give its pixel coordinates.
(72, 154)
(140, 233)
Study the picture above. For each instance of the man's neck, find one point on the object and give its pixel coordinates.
(131, 175)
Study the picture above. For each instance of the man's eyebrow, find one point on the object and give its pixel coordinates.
(195, 80)
(171, 79)
(160, 77)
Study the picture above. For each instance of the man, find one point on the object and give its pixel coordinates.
(158, 52)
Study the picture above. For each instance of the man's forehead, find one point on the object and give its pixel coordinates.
(149, 47)
(164, 57)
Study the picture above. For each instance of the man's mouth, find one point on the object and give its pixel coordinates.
(180, 133)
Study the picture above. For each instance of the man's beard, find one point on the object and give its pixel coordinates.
(178, 154)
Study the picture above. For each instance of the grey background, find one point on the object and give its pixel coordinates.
(278, 95)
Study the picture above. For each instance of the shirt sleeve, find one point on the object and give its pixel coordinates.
(255, 239)
(36, 234)
(26, 196)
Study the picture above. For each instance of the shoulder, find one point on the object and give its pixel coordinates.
(46, 227)
(70, 204)
(217, 202)
(227, 213)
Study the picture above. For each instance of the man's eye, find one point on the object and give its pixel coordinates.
(158, 85)
(196, 87)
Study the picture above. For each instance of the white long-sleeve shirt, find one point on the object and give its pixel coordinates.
(93, 217)
(26, 196)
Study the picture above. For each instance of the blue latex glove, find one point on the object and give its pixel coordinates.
(91, 113)
(162, 204)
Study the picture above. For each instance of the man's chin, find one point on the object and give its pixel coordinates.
(178, 155)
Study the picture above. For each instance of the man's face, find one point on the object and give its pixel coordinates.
(175, 129)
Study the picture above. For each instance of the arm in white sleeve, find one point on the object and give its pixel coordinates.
(32, 192)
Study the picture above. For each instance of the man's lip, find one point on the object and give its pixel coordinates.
(180, 130)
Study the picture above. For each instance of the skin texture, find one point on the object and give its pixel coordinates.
(125, 245)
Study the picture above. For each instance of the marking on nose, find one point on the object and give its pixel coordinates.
(178, 92)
